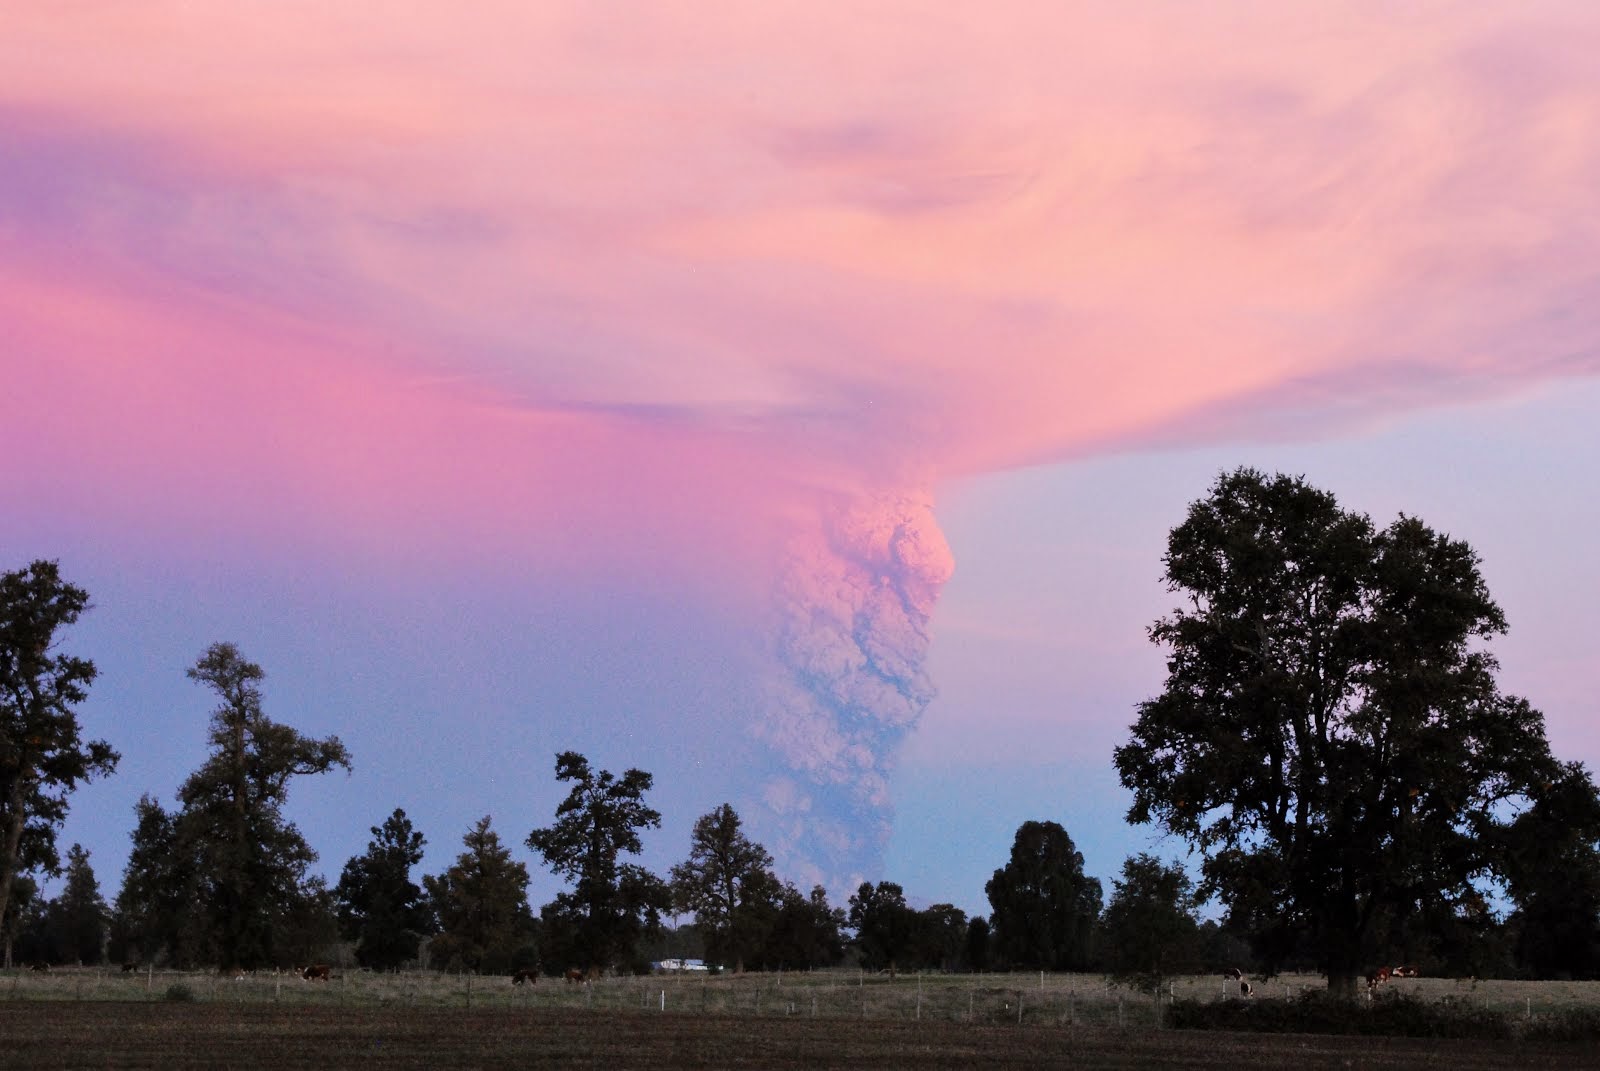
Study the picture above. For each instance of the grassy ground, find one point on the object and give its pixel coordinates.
(146, 1034)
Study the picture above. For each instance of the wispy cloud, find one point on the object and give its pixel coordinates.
(566, 274)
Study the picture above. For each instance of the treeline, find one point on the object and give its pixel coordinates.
(1330, 741)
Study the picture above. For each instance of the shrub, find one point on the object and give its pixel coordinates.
(1568, 1024)
(179, 992)
(1392, 1015)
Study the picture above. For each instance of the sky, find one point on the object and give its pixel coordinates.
(790, 400)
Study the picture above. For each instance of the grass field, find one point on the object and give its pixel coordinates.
(94, 1017)
(1025, 999)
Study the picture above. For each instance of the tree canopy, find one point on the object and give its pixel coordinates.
(43, 756)
(380, 907)
(482, 907)
(1330, 735)
(1149, 930)
(225, 878)
(612, 903)
(885, 925)
(728, 883)
(1045, 908)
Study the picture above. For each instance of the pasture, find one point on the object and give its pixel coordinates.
(94, 1017)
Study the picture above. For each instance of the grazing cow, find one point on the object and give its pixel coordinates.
(1233, 974)
(315, 973)
(574, 976)
(1377, 978)
(1403, 972)
(129, 968)
(1245, 988)
(42, 968)
(531, 977)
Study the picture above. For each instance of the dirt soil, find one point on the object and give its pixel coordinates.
(160, 1035)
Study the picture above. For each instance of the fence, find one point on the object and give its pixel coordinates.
(1069, 1000)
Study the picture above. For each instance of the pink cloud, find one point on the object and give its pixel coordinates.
(589, 285)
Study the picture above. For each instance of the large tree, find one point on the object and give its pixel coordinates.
(43, 756)
(228, 863)
(612, 904)
(1330, 737)
(482, 907)
(727, 882)
(886, 927)
(1045, 908)
(380, 907)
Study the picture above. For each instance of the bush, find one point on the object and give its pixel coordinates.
(180, 993)
(1392, 1015)
(1568, 1024)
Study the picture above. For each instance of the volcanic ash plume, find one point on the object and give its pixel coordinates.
(854, 598)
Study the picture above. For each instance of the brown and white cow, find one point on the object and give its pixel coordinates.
(317, 972)
(1403, 972)
(1245, 988)
(530, 977)
(1377, 978)
(1233, 974)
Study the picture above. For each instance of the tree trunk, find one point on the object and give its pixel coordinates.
(1344, 985)
(8, 861)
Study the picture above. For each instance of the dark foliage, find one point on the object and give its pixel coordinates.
(380, 907)
(224, 880)
(43, 756)
(1045, 908)
(481, 904)
(1330, 736)
(613, 905)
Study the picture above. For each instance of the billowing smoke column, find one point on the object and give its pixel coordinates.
(854, 601)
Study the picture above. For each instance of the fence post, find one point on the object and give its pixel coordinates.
(1019, 1007)
(469, 990)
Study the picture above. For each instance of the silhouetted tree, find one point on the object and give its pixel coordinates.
(727, 882)
(78, 918)
(1330, 737)
(481, 904)
(224, 879)
(942, 938)
(380, 907)
(807, 933)
(152, 921)
(1149, 932)
(1045, 908)
(42, 754)
(612, 904)
(978, 941)
(1553, 873)
(886, 927)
